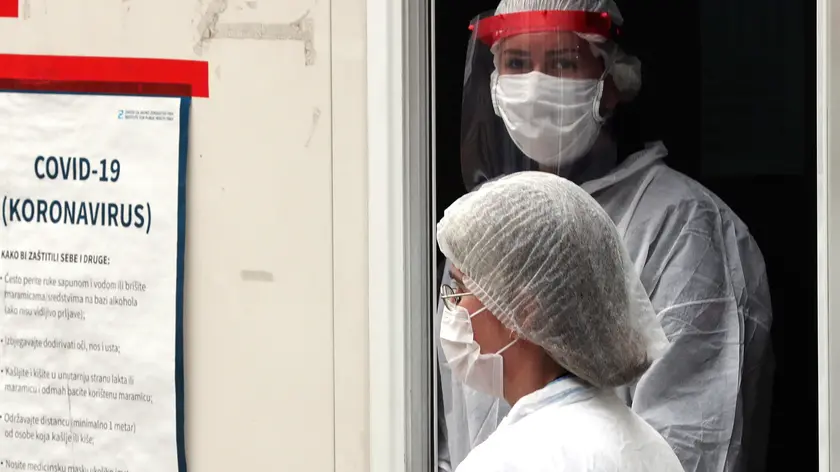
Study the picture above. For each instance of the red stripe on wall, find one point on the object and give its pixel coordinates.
(9, 8)
(85, 74)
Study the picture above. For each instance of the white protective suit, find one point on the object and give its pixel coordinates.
(569, 426)
(709, 395)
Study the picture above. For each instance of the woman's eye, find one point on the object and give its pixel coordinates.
(515, 64)
(566, 64)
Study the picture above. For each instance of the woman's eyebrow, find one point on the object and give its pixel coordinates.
(516, 52)
(454, 276)
(561, 51)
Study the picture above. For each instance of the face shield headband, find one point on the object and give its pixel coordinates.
(492, 29)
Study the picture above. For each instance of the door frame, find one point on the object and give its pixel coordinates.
(401, 253)
(828, 232)
(400, 117)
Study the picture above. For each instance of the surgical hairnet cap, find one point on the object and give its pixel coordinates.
(595, 6)
(548, 262)
(626, 70)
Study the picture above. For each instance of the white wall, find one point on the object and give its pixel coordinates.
(276, 281)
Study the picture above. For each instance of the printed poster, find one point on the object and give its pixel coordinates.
(91, 258)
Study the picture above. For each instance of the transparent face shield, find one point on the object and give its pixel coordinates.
(537, 95)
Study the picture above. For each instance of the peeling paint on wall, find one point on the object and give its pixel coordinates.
(302, 29)
(256, 276)
(207, 25)
(316, 115)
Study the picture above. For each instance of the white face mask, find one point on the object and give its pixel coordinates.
(481, 372)
(553, 121)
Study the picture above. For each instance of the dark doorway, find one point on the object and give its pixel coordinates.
(730, 86)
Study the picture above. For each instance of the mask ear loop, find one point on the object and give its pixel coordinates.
(599, 94)
(506, 347)
(494, 82)
(482, 310)
(478, 312)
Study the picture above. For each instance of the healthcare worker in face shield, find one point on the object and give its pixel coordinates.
(543, 80)
(546, 311)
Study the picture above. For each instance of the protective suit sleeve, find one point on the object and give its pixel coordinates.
(444, 457)
(443, 461)
(701, 289)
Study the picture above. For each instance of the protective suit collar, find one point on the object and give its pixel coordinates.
(652, 153)
(599, 162)
(564, 391)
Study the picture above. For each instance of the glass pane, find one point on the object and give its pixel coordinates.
(713, 154)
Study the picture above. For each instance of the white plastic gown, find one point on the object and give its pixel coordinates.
(569, 426)
(709, 395)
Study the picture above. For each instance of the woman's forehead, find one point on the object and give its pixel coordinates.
(543, 41)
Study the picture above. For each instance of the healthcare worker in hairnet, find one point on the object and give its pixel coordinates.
(543, 80)
(547, 312)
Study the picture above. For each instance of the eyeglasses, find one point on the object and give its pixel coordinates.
(451, 297)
